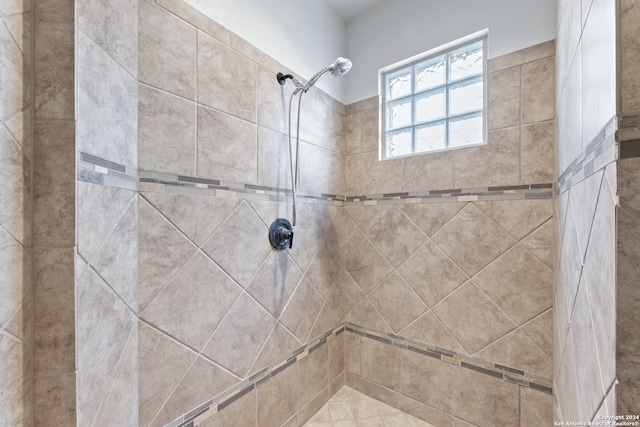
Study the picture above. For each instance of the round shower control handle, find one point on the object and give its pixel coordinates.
(281, 234)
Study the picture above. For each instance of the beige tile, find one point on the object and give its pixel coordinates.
(367, 266)
(352, 353)
(364, 314)
(327, 320)
(315, 405)
(274, 167)
(432, 171)
(239, 338)
(117, 259)
(321, 170)
(540, 331)
(53, 183)
(15, 81)
(584, 197)
(396, 236)
(314, 374)
(473, 319)
(430, 330)
(104, 325)
(167, 59)
(112, 26)
(336, 357)
(323, 269)
(9, 7)
(227, 147)
(197, 18)
(427, 413)
(203, 381)
(220, 84)
(162, 362)
(370, 129)
(156, 263)
(344, 235)
(302, 310)
(324, 214)
(11, 401)
(381, 364)
(542, 242)
(54, 399)
(566, 386)
(54, 303)
(274, 282)
(504, 98)
(112, 203)
(242, 412)
(20, 126)
(278, 398)
(345, 423)
(430, 217)
(522, 56)
(341, 410)
(235, 247)
(353, 133)
(397, 302)
(196, 216)
(518, 351)
(519, 283)
(108, 110)
(308, 237)
(494, 164)
(488, 400)
(353, 173)
(431, 273)
(380, 176)
(279, 344)
(628, 56)
(54, 61)
(536, 408)
(367, 216)
(193, 303)
(166, 132)
(427, 380)
(273, 103)
(14, 187)
(590, 387)
(120, 405)
(537, 153)
(538, 90)
(472, 240)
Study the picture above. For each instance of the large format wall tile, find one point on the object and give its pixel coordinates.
(107, 112)
(114, 26)
(226, 79)
(14, 187)
(167, 51)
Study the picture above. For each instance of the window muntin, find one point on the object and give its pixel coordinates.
(435, 101)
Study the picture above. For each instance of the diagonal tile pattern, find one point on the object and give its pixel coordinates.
(350, 408)
(396, 236)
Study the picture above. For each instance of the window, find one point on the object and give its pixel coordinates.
(435, 101)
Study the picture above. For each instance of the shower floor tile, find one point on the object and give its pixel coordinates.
(350, 408)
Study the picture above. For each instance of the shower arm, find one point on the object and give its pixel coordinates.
(295, 170)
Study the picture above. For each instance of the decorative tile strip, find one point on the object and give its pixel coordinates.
(496, 370)
(95, 170)
(226, 398)
(598, 154)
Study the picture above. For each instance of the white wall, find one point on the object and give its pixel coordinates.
(304, 35)
(398, 29)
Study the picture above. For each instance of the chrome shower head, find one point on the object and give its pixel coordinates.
(340, 67)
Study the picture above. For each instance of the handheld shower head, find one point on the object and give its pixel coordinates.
(339, 68)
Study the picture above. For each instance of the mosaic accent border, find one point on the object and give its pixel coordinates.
(599, 153)
(506, 373)
(220, 402)
(99, 171)
(103, 172)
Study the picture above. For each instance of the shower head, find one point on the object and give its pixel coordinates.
(339, 68)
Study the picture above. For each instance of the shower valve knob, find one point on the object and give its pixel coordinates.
(281, 234)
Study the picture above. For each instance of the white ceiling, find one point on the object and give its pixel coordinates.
(350, 9)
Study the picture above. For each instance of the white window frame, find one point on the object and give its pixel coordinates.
(423, 57)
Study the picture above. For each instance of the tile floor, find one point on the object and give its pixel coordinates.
(350, 408)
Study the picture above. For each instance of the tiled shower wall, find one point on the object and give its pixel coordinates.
(585, 290)
(106, 353)
(16, 157)
(470, 273)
